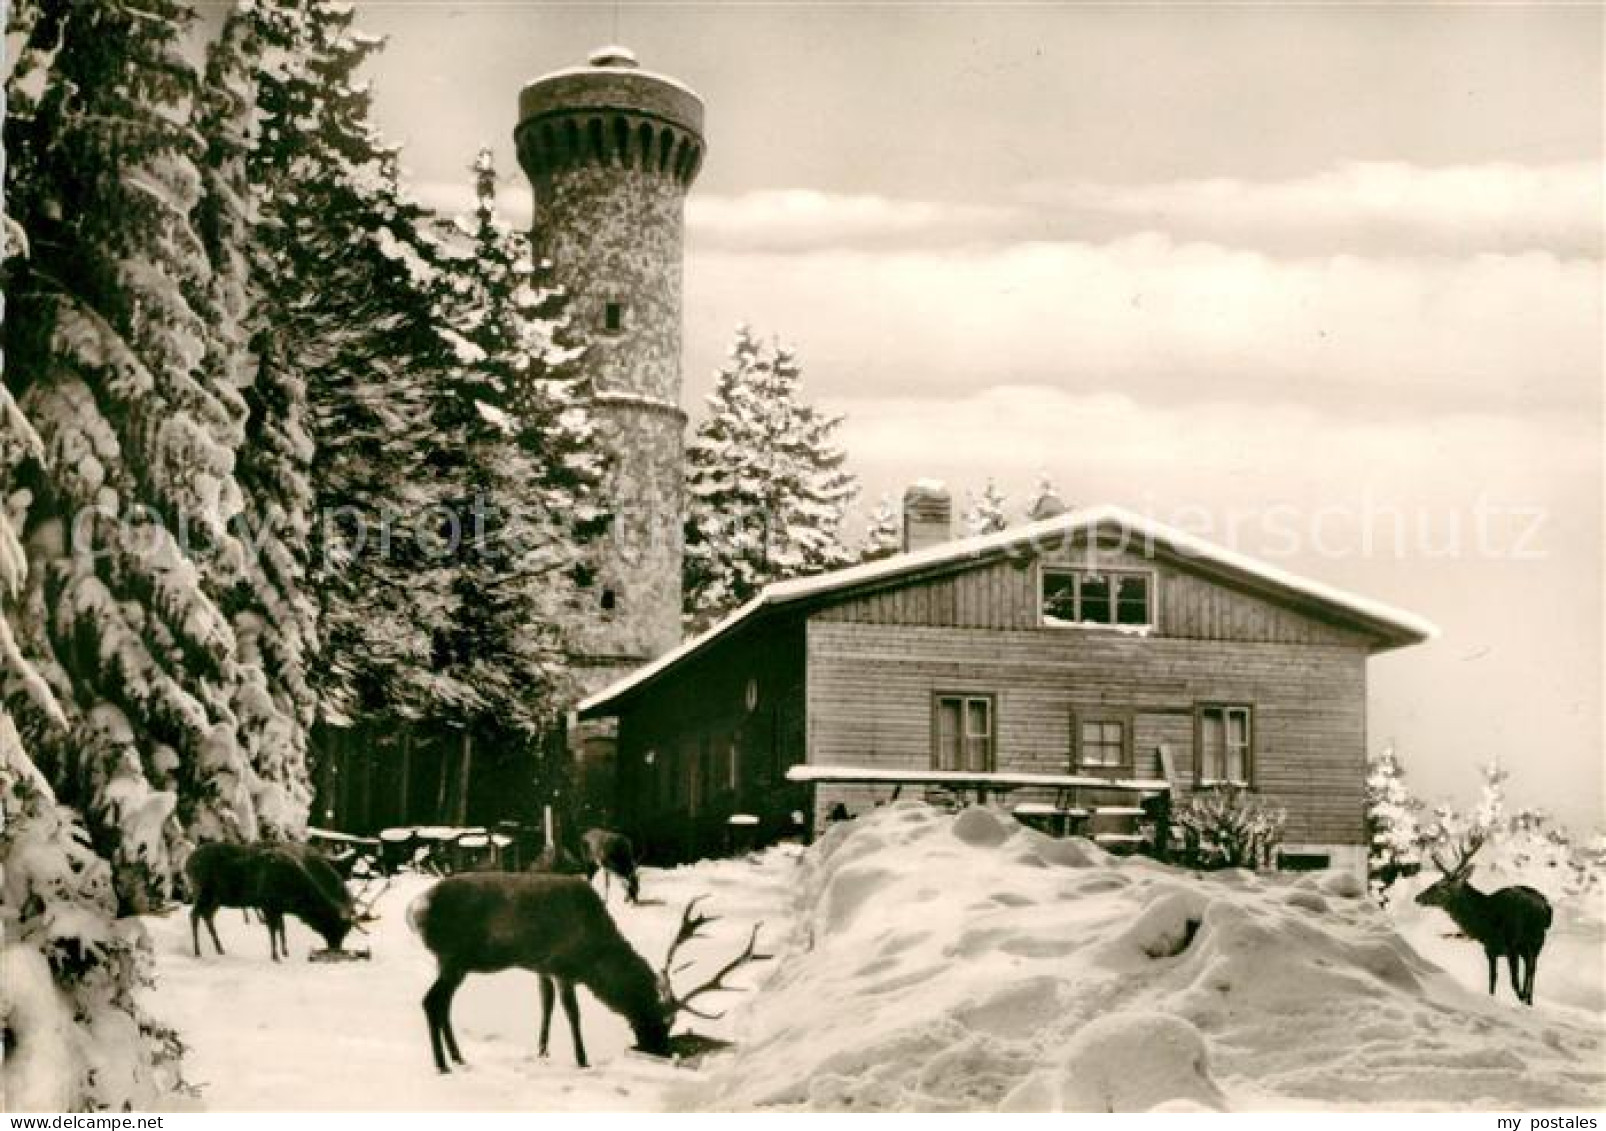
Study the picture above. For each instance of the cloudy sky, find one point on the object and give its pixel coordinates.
(1323, 282)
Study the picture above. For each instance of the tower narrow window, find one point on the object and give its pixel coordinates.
(613, 317)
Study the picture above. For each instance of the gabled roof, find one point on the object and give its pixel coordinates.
(1392, 627)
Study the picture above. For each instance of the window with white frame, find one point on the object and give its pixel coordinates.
(1105, 597)
(962, 733)
(1225, 733)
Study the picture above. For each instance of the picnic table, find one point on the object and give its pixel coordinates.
(444, 849)
(351, 854)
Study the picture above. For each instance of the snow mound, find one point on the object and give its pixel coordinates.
(1572, 966)
(1135, 1061)
(969, 963)
(982, 828)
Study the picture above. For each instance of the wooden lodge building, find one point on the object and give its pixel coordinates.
(1093, 642)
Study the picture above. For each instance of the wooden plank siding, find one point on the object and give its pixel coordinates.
(1004, 594)
(870, 687)
(849, 679)
(693, 722)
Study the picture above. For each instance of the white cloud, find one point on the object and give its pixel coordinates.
(802, 220)
(1387, 207)
(1360, 207)
(1363, 208)
(921, 297)
(1110, 447)
(1167, 321)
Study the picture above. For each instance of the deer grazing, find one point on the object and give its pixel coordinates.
(1511, 921)
(275, 879)
(556, 927)
(611, 853)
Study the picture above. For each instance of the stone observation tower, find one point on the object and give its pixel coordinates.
(611, 151)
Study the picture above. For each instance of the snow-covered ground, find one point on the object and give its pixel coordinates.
(1572, 967)
(967, 963)
(300, 1035)
(940, 963)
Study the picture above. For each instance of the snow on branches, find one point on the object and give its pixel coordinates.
(766, 489)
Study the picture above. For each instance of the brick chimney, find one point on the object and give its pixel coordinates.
(928, 511)
(1048, 505)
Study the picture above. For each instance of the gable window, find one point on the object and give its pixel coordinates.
(1225, 733)
(613, 317)
(1107, 597)
(962, 733)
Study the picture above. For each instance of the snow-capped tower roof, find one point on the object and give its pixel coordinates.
(614, 55)
(612, 82)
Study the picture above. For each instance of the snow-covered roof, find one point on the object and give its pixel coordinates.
(614, 59)
(614, 68)
(1394, 626)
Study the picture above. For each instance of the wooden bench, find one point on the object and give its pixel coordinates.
(1064, 816)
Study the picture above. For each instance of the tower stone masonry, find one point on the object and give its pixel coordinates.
(611, 151)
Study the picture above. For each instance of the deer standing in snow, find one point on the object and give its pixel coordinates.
(1511, 921)
(611, 852)
(556, 927)
(275, 879)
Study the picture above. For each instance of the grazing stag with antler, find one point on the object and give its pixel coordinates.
(276, 879)
(556, 927)
(1511, 921)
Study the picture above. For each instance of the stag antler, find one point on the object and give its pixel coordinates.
(363, 903)
(1465, 850)
(691, 922)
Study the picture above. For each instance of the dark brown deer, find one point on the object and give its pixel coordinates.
(275, 879)
(1511, 921)
(611, 852)
(556, 927)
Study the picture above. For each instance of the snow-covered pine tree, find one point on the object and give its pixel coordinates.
(76, 1036)
(1392, 823)
(1524, 846)
(1489, 818)
(987, 512)
(765, 483)
(518, 319)
(265, 590)
(1486, 821)
(1592, 861)
(514, 454)
(346, 285)
(132, 488)
(883, 532)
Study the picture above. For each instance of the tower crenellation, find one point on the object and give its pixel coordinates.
(611, 150)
